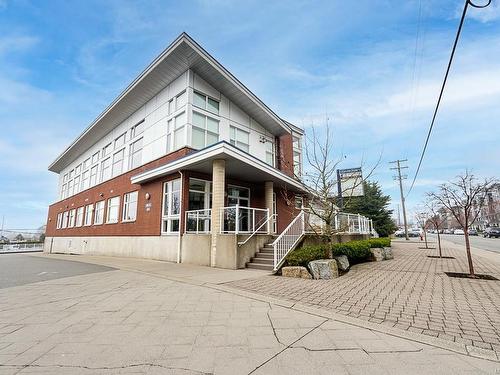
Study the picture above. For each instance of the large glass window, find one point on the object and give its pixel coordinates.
(297, 156)
(118, 162)
(200, 194)
(171, 206)
(136, 154)
(120, 141)
(76, 185)
(59, 220)
(106, 169)
(95, 158)
(99, 213)
(239, 138)
(65, 219)
(203, 101)
(89, 209)
(85, 180)
(107, 150)
(179, 128)
(130, 206)
(137, 129)
(93, 175)
(205, 131)
(113, 210)
(71, 222)
(270, 153)
(79, 217)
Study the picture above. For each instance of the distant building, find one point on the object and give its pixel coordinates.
(490, 212)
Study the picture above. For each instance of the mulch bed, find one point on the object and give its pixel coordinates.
(468, 276)
(437, 256)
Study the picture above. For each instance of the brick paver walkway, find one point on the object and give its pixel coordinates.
(411, 293)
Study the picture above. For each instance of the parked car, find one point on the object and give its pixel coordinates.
(399, 233)
(458, 231)
(415, 233)
(472, 232)
(447, 231)
(491, 232)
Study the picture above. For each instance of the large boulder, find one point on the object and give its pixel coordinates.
(324, 269)
(296, 271)
(342, 262)
(377, 254)
(388, 253)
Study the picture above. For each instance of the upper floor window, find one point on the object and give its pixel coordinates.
(93, 175)
(171, 206)
(78, 169)
(85, 180)
(135, 154)
(105, 169)
(270, 153)
(205, 131)
(176, 132)
(95, 157)
(239, 138)
(120, 141)
(205, 102)
(130, 206)
(86, 164)
(137, 129)
(113, 210)
(297, 156)
(76, 186)
(106, 150)
(177, 102)
(118, 162)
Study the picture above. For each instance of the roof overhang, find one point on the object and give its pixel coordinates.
(183, 54)
(239, 165)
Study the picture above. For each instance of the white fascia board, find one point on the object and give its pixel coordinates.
(221, 148)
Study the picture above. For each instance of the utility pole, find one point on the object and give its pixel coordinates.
(399, 217)
(400, 178)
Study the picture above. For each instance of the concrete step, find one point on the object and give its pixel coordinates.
(261, 260)
(265, 255)
(263, 250)
(258, 266)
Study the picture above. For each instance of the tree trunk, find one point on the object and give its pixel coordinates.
(467, 248)
(439, 243)
(425, 237)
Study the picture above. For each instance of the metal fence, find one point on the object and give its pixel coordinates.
(21, 247)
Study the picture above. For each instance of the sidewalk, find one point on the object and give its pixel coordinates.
(409, 296)
(152, 317)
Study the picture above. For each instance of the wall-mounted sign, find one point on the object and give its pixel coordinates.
(147, 206)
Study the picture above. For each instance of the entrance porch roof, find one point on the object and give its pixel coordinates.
(239, 165)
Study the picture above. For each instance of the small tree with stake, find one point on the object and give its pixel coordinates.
(436, 219)
(422, 217)
(463, 198)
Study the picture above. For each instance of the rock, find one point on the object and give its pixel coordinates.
(324, 269)
(342, 262)
(388, 253)
(298, 272)
(377, 254)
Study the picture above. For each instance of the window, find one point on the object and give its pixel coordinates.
(78, 170)
(299, 202)
(71, 222)
(239, 138)
(71, 174)
(106, 169)
(136, 154)
(88, 214)
(59, 220)
(106, 150)
(76, 185)
(65, 219)
(270, 153)
(179, 131)
(99, 213)
(113, 209)
(205, 102)
(79, 217)
(181, 100)
(65, 178)
(137, 129)
(63, 191)
(171, 206)
(297, 156)
(85, 180)
(93, 175)
(118, 162)
(86, 164)
(95, 157)
(205, 131)
(130, 206)
(120, 141)
(70, 188)
(200, 194)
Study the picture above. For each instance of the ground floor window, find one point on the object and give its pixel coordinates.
(65, 220)
(130, 206)
(89, 209)
(71, 222)
(200, 199)
(99, 213)
(59, 220)
(79, 216)
(171, 206)
(113, 209)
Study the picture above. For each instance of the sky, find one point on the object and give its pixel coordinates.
(371, 68)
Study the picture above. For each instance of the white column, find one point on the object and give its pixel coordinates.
(268, 194)
(218, 187)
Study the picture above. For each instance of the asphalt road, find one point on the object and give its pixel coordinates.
(490, 244)
(21, 269)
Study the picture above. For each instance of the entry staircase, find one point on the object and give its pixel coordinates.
(263, 259)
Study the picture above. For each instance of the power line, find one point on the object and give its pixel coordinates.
(467, 3)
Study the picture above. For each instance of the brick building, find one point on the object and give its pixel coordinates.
(184, 165)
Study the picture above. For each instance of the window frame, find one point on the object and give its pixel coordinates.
(205, 129)
(206, 101)
(109, 208)
(79, 216)
(72, 217)
(98, 209)
(234, 141)
(169, 218)
(89, 209)
(133, 152)
(126, 206)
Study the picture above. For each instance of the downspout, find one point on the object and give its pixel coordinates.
(181, 217)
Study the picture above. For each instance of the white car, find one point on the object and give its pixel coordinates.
(458, 231)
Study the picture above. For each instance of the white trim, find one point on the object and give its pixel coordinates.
(217, 149)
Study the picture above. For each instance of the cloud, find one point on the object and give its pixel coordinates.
(489, 14)
(15, 43)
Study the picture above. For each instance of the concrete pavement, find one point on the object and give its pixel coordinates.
(160, 318)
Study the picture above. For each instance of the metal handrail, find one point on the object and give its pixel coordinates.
(288, 239)
(237, 209)
(197, 218)
(269, 217)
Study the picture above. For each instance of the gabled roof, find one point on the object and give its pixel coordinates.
(239, 165)
(183, 54)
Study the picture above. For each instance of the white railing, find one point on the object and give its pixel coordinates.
(268, 222)
(240, 219)
(198, 221)
(289, 238)
(343, 223)
(18, 247)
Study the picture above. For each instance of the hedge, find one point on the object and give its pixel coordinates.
(356, 251)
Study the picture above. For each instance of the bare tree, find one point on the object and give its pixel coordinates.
(463, 198)
(320, 180)
(422, 216)
(436, 219)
